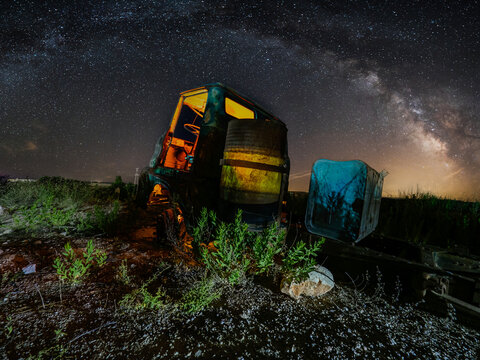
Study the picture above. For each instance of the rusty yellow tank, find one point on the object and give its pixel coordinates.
(254, 168)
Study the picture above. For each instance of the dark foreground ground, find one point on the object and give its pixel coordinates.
(41, 319)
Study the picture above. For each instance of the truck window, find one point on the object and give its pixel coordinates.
(179, 147)
(238, 111)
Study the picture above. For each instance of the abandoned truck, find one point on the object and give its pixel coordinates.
(225, 152)
(222, 151)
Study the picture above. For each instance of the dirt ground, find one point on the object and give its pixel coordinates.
(43, 319)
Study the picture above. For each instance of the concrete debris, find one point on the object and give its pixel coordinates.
(319, 282)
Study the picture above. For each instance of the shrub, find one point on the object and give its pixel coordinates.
(422, 218)
(65, 192)
(100, 219)
(205, 228)
(228, 258)
(300, 260)
(235, 251)
(266, 246)
(3, 183)
(85, 223)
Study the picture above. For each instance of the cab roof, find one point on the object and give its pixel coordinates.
(237, 95)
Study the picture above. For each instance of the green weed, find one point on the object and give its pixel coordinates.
(204, 229)
(67, 193)
(200, 296)
(142, 298)
(73, 268)
(300, 260)
(237, 252)
(54, 203)
(106, 221)
(156, 301)
(228, 260)
(8, 327)
(57, 351)
(43, 214)
(59, 334)
(122, 273)
(101, 257)
(5, 277)
(85, 223)
(266, 246)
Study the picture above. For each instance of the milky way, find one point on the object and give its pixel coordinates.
(86, 88)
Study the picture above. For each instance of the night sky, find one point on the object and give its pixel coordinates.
(87, 87)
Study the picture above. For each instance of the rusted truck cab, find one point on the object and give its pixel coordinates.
(222, 151)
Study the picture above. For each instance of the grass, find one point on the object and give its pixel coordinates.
(54, 204)
(423, 218)
(44, 214)
(202, 294)
(143, 298)
(148, 296)
(67, 193)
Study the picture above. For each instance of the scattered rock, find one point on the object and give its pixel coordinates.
(30, 269)
(319, 282)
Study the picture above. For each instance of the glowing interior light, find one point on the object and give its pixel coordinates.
(238, 111)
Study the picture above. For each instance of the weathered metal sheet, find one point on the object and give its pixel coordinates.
(344, 199)
(451, 262)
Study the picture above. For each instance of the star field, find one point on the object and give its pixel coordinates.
(87, 88)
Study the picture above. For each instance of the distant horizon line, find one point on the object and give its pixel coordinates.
(401, 194)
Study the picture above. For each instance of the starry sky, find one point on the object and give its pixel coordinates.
(87, 87)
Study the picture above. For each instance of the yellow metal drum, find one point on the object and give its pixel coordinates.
(254, 162)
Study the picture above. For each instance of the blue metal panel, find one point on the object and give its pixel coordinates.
(343, 200)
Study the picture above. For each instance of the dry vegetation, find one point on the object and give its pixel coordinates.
(96, 293)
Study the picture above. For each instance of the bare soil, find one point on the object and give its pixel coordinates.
(250, 321)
